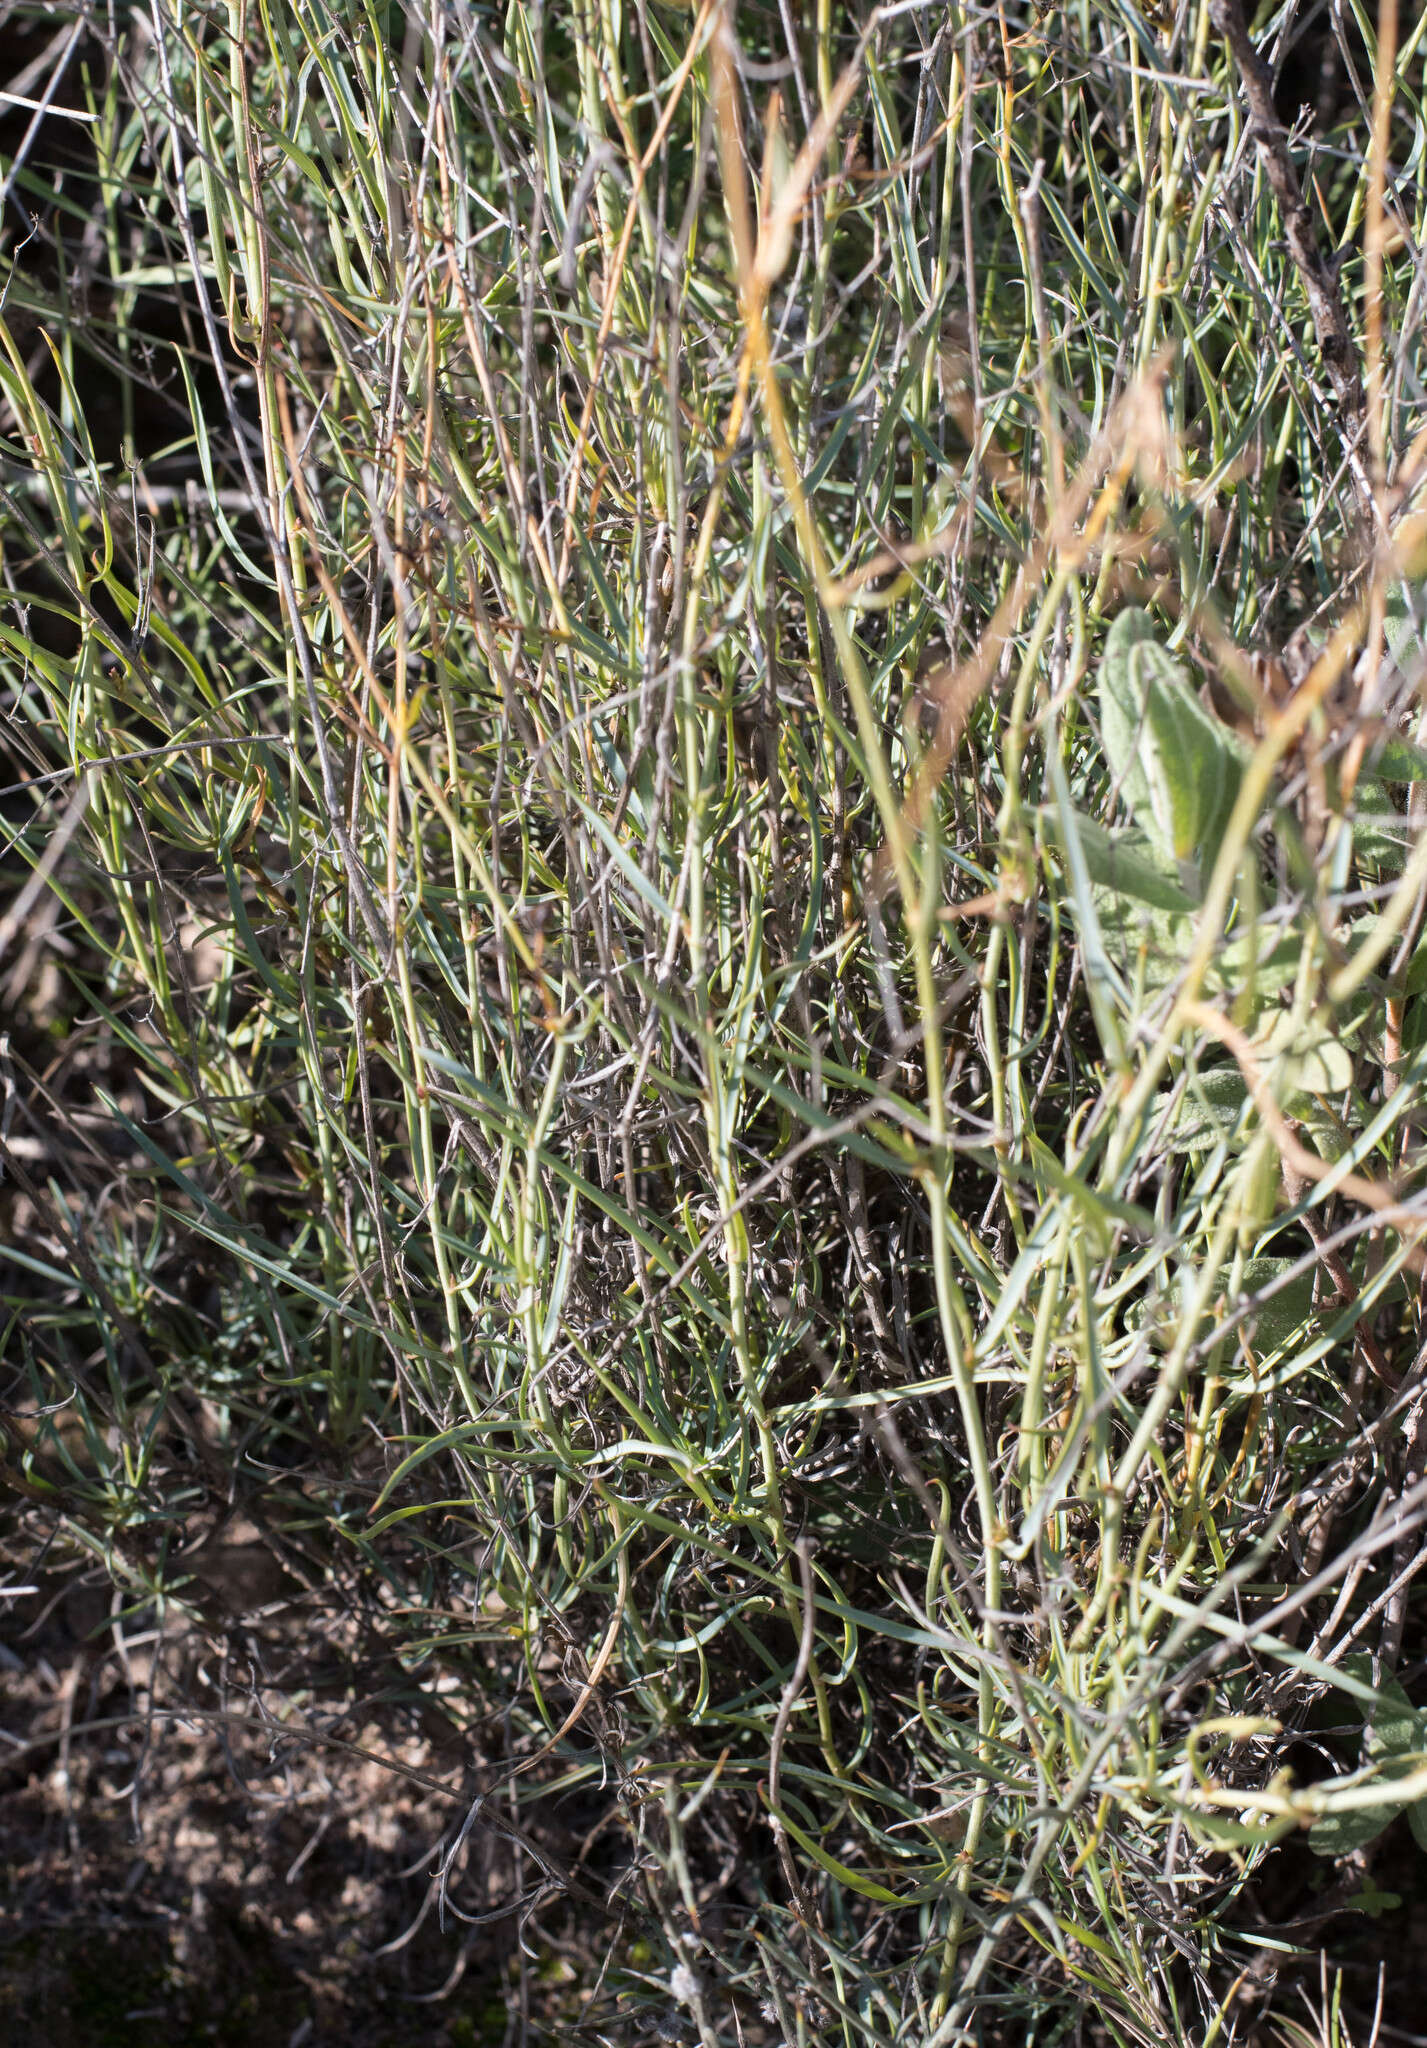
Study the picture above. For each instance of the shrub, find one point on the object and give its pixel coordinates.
(716, 717)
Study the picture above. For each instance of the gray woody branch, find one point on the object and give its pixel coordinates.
(1319, 275)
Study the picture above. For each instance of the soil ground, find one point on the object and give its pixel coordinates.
(183, 1883)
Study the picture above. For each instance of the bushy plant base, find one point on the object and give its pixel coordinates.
(715, 952)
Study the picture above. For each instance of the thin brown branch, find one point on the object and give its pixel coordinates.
(1319, 276)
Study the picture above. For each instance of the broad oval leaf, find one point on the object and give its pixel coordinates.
(1178, 767)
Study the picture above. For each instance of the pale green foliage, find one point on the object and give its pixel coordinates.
(1178, 767)
(694, 1023)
